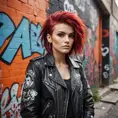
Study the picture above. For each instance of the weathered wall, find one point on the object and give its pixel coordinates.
(109, 40)
(20, 25)
(107, 4)
(115, 8)
(113, 48)
(113, 41)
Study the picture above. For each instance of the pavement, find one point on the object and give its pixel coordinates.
(107, 107)
(113, 112)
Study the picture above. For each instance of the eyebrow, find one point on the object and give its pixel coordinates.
(65, 32)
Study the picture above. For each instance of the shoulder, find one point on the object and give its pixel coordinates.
(76, 61)
(39, 58)
(37, 62)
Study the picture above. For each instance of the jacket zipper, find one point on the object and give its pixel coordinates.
(47, 106)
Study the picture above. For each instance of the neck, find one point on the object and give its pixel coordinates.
(59, 58)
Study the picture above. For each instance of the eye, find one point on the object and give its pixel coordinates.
(71, 35)
(61, 34)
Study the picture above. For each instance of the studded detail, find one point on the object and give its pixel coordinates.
(50, 74)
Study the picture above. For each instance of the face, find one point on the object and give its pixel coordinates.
(62, 38)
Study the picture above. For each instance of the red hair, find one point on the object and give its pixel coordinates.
(67, 18)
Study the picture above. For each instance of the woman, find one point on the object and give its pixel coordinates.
(55, 84)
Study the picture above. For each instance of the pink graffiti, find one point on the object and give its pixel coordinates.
(10, 104)
(90, 63)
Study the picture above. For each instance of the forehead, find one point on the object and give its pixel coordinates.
(61, 27)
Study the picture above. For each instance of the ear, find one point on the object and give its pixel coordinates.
(49, 38)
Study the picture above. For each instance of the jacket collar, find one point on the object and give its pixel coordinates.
(73, 60)
(49, 60)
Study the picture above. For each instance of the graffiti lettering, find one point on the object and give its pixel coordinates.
(105, 51)
(24, 36)
(105, 75)
(6, 27)
(13, 107)
(106, 67)
(69, 7)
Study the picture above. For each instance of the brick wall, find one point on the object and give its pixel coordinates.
(20, 25)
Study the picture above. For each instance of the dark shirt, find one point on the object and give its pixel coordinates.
(69, 110)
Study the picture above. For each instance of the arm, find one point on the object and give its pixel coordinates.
(88, 97)
(30, 100)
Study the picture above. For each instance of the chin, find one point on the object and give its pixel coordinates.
(65, 52)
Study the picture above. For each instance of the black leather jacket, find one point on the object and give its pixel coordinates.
(45, 94)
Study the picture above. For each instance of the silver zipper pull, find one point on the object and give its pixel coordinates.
(46, 107)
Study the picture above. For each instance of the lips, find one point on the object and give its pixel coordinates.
(66, 46)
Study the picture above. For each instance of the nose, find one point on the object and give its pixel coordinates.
(67, 38)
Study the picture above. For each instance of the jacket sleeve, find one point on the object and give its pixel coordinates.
(87, 97)
(31, 93)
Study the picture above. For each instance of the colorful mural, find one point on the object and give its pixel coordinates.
(113, 54)
(25, 36)
(20, 26)
(10, 102)
(90, 58)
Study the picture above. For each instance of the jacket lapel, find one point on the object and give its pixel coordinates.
(54, 74)
(52, 70)
(74, 70)
(75, 78)
(57, 78)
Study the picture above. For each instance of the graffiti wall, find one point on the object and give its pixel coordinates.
(20, 26)
(88, 12)
(11, 109)
(23, 36)
(105, 51)
(113, 49)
